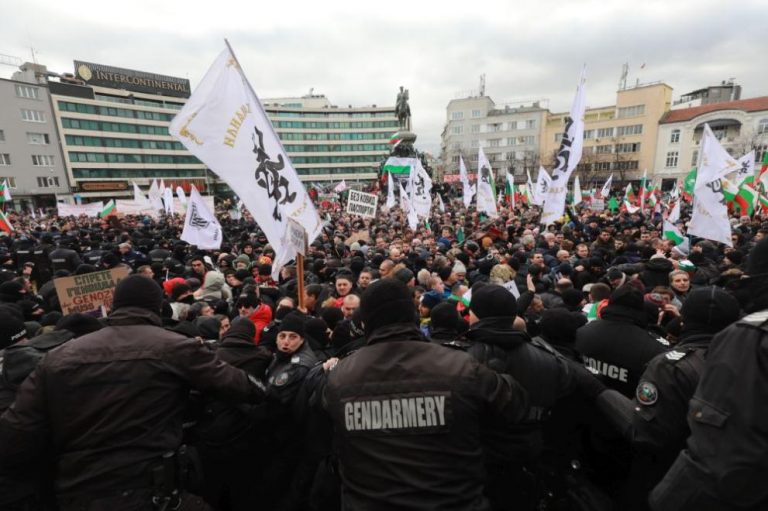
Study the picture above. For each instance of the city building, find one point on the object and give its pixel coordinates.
(619, 139)
(726, 91)
(327, 142)
(740, 126)
(113, 125)
(30, 155)
(509, 134)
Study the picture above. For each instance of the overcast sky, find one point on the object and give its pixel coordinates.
(359, 52)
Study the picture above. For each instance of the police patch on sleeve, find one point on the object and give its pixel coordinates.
(647, 393)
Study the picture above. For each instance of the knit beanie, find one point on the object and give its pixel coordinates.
(709, 309)
(559, 325)
(431, 298)
(138, 291)
(625, 296)
(293, 322)
(386, 302)
(12, 329)
(445, 316)
(241, 328)
(492, 300)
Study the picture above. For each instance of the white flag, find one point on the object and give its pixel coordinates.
(746, 168)
(138, 196)
(200, 226)
(486, 189)
(340, 187)
(390, 192)
(407, 206)
(543, 184)
(530, 189)
(674, 214)
(440, 204)
(511, 183)
(606, 190)
(155, 197)
(180, 195)
(225, 126)
(468, 192)
(420, 186)
(168, 200)
(568, 156)
(710, 213)
(576, 191)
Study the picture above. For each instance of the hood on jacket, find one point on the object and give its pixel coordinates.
(497, 331)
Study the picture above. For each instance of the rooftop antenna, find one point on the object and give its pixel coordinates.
(482, 85)
(34, 57)
(624, 73)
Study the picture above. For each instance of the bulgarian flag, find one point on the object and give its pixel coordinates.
(5, 224)
(643, 195)
(629, 194)
(689, 184)
(109, 209)
(743, 197)
(395, 165)
(764, 172)
(509, 191)
(5, 191)
(394, 140)
(673, 233)
(763, 200)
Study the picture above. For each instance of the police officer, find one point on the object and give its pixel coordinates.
(63, 257)
(40, 254)
(161, 253)
(512, 453)
(654, 421)
(407, 413)
(725, 466)
(112, 403)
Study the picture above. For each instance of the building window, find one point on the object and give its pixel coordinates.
(671, 159)
(494, 142)
(457, 130)
(530, 124)
(10, 180)
(762, 127)
(603, 165)
(604, 132)
(475, 128)
(526, 140)
(634, 129)
(2, 136)
(457, 116)
(627, 165)
(47, 182)
(589, 134)
(25, 91)
(604, 149)
(493, 128)
(720, 133)
(42, 160)
(630, 147)
(457, 146)
(630, 111)
(588, 150)
(5, 159)
(477, 113)
(475, 144)
(512, 126)
(32, 115)
(695, 158)
(38, 138)
(674, 137)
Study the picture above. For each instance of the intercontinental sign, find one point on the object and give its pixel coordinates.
(127, 79)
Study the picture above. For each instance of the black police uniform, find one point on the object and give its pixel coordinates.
(725, 466)
(159, 255)
(64, 259)
(94, 256)
(42, 272)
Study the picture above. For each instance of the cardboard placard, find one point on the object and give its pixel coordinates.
(362, 204)
(88, 293)
(296, 236)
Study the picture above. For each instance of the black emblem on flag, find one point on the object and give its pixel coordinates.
(269, 177)
(717, 188)
(485, 174)
(564, 153)
(418, 184)
(195, 220)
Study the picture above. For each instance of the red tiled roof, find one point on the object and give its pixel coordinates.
(686, 114)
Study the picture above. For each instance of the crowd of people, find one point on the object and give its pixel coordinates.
(475, 363)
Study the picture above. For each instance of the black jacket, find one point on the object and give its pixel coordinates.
(725, 465)
(617, 347)
(407, 416)
(64, 259)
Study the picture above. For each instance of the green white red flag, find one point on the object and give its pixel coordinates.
(5, 224)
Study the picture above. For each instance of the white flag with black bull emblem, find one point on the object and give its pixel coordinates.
(225, 126)
(486, 188)
(200, 226)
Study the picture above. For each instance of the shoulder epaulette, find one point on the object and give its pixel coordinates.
(755, 319)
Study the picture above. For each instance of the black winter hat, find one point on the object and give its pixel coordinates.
(404, 275)
(293, 322)
(385, 302)
(492, 300)
(208, 326)
(12, 329)
(332, 316)
(445, 316)
(79, 324)
(241, 328)
(138, 291)
(242, 274)
(709, 309)
(559, 325)
(626, 296)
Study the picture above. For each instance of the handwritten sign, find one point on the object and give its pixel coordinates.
(90, 292)
(362, 204)
(296, 236)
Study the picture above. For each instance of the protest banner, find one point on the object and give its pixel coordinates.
(90, 292)
(362, 204)
(93, 209)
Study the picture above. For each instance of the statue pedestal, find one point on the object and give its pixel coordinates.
(407, 137)
(405, 148)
